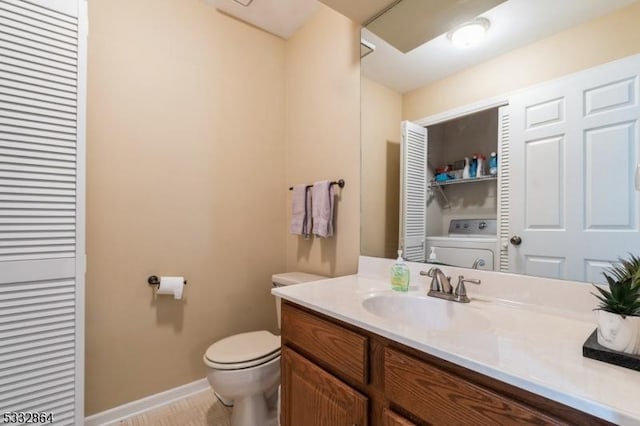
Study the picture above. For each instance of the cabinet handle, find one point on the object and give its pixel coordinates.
(516, 240)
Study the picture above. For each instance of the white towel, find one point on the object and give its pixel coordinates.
(300, 211)
(323, 195)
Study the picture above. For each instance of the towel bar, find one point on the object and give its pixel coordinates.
(339, 182)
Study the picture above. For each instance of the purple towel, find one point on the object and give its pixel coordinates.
(300, 211)
(323, 200)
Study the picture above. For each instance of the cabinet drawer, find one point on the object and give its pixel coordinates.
(439, 397)
(342, 351)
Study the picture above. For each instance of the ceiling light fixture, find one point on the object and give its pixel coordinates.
(469, 33)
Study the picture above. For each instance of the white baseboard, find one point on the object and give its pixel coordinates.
(114, 415)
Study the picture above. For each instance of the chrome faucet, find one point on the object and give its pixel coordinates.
(439, 281)
(442, 289)
(477, 262)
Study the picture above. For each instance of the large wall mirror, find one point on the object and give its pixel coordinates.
(553, 90)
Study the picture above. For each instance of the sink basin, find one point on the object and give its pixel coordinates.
(426, 312)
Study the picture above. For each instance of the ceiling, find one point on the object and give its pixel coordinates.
(514, 23)
(361, 11)
(280, 17)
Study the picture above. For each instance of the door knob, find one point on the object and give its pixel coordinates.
(516, 240)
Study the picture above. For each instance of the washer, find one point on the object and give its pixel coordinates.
(468, 240)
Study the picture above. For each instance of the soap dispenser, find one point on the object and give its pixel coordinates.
(400, 274)
(432, 255)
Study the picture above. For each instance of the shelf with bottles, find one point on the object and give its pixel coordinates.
(433, 182)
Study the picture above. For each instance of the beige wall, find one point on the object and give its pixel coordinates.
(323, 134)
(381, 116)
(186, 156)
(596, 42)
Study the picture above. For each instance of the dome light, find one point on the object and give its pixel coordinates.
(470, 33)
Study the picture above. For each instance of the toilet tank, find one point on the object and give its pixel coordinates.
(290, 278)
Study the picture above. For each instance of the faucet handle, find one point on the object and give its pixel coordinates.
(461, 290)
(430, 273)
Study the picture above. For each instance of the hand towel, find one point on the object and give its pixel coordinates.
(306, 232)
(323, 201)
(300, 211)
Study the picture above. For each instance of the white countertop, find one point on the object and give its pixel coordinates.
(525, 345)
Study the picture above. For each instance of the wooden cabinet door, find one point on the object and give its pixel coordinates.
(313, 397)
(389, 418)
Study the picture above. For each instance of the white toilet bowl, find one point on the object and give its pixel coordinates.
(246, 369)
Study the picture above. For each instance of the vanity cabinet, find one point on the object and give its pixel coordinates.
(335, 374)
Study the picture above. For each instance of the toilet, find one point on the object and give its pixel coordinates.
(244, 369)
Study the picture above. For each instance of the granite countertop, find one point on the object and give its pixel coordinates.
(533, 347)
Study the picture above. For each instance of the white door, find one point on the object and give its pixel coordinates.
(413, 191)
(573, 155)
(42, 52)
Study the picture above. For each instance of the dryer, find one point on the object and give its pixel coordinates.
(468, 241)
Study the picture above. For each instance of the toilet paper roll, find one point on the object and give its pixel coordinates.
(171, 285)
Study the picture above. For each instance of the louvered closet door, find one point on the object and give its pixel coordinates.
(413, 191)
(503, 185)
(41, 213)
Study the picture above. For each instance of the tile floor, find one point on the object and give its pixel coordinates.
(201, 409)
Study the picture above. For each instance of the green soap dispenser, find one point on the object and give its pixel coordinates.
(400, 274)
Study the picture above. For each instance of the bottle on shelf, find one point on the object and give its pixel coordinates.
(482, 170)
(465, 172)
(473, 169)
(493, 164)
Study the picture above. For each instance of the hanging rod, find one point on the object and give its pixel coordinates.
(339, 182)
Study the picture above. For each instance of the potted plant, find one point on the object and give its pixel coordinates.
(618, 314)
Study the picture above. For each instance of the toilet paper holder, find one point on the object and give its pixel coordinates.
(154, 280)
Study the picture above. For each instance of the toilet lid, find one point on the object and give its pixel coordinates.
(244, 347)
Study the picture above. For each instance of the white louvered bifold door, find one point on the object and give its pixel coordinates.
(42, 46)
(414, 191)
(503, 185)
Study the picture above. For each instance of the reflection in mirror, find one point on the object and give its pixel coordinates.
(563, 203)
(422, 20)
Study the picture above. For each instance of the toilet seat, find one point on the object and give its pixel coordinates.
(244, 350)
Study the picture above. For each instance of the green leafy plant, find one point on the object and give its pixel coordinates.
(623, 297)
